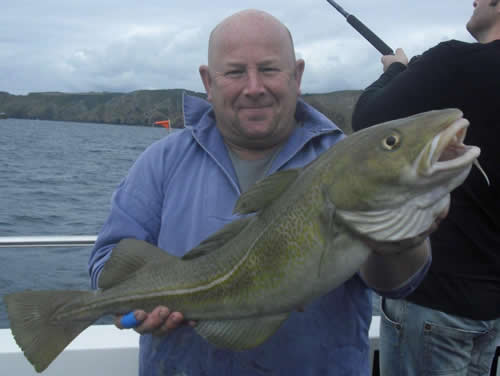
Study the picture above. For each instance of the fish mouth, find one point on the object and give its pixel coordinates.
(406, 219)
(447, 151)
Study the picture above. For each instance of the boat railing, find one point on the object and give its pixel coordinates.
(102, 349)
(47, 241)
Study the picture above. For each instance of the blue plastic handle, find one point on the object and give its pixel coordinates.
(129, 321)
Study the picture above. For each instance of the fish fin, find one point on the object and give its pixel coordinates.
(240, 334)
(262, 193)
(127, 257)
(218, 239)
(37, 331)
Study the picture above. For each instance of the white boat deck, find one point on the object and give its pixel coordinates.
(99, 350)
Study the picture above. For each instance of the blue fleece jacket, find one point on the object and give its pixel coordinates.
(181, 190)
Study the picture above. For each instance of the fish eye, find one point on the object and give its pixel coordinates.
(391, 142)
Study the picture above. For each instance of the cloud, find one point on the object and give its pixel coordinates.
(144, 58)
(90, 45)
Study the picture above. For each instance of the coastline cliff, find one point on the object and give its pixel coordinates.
(143, 107)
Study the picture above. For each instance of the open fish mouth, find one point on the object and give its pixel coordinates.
(447, 150)
(441, 166)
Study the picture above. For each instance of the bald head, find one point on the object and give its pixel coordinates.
(252, 81)
(246, 23)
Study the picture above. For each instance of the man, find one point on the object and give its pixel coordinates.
(450, 323)
(183, 189)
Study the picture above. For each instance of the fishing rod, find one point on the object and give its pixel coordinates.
(360, 27)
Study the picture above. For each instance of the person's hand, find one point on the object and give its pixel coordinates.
(398, 57)
(158, 322)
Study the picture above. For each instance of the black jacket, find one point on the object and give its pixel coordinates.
(464, 278)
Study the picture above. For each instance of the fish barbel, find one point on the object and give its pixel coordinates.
(303, 233)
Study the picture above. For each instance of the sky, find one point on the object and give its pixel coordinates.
(122, 46)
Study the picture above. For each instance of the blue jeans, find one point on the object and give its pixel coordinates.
(419, 341)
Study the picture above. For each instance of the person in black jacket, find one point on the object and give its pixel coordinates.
(451, 323)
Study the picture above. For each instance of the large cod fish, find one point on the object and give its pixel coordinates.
(385, 184)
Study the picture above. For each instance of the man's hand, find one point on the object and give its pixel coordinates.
(389, 268)
(158, 322)
(398, 57)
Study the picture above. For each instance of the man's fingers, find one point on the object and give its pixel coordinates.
(159, 322)
(399, 57)
(154, 320)
(173, 321)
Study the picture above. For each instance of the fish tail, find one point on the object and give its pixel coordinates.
(36, 327)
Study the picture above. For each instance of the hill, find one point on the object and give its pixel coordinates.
(143, 107)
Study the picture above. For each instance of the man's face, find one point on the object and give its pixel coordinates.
(253, 82)
(482, 19)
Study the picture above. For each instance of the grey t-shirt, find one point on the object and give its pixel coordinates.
(249, 172)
